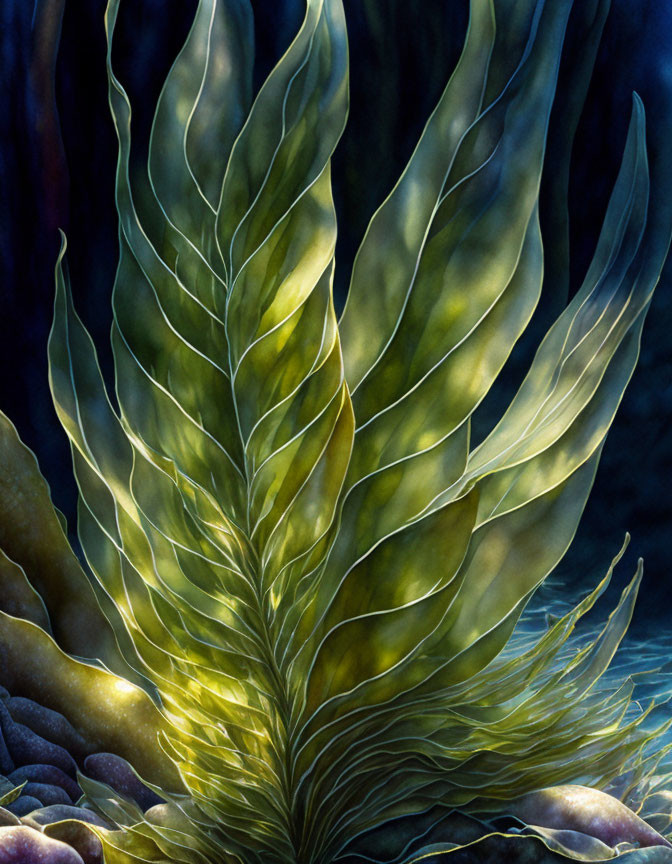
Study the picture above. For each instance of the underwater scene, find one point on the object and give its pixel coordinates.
(335, 500)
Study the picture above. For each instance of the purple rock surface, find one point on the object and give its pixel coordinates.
(49, 774)
(47, 794)
(117, 773)
(589, 811)
(58, 812)
(23, 845)
(24, 805)
(48, 724)
(27, 747)
(6, 762)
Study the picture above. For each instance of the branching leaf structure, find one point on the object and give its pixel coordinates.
(291, 534)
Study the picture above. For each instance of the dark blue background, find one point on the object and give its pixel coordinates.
(57, 162)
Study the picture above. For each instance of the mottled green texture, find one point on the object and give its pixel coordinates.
(290, 532)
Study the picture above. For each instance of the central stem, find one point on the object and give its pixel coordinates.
(281, 732)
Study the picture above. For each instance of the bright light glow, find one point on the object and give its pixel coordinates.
(124, 686)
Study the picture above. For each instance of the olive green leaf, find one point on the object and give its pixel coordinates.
(6, 797)
(42, 579)
(109, 712)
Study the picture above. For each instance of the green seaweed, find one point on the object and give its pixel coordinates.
(299, 555)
